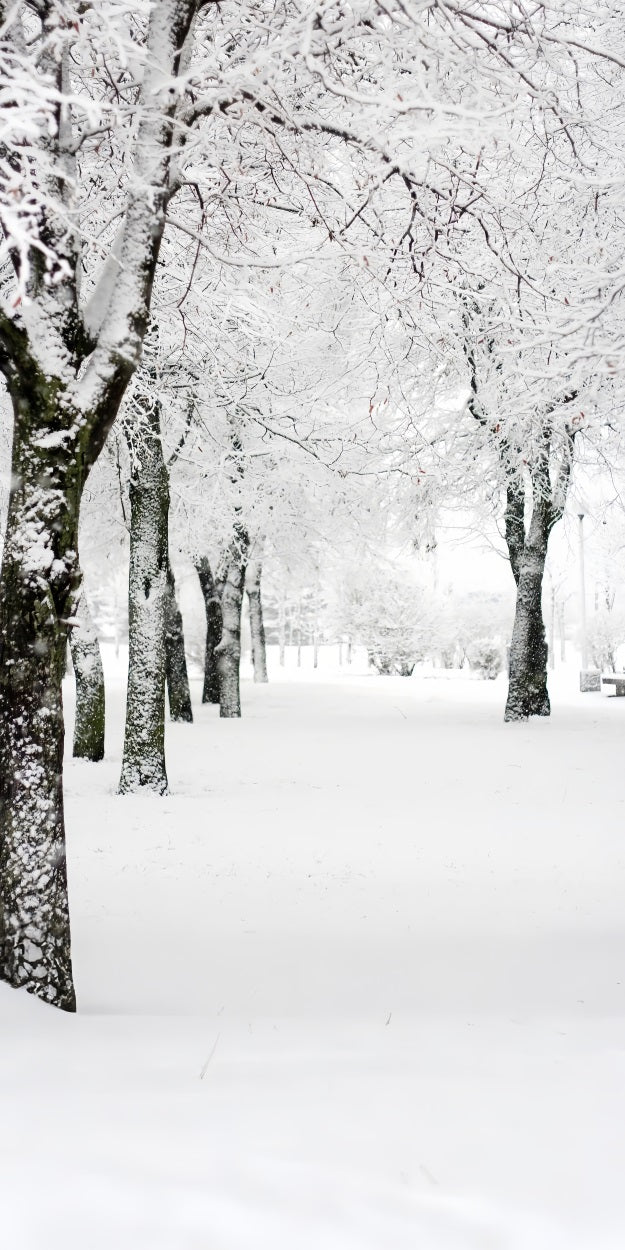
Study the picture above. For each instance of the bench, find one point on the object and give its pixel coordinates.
(618, 682)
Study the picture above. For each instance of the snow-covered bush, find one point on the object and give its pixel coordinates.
(606, 632)
(484, 655)
(389, 662)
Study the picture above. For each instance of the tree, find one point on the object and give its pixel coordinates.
(212, 606)
(67, 366)
(90, 694)
(149, 596)
(176, 675)
(253, 576)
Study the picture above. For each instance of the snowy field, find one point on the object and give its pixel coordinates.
(358, 983)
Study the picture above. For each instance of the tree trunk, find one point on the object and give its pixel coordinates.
(228, 652)
(212, 607)
(90, 694)
(257, 626)
(37, 580)
(178, 692)
(143, 763)
(527, 690)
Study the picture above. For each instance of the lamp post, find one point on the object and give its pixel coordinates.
(582, 594)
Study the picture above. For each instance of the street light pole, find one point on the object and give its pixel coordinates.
(582, 594)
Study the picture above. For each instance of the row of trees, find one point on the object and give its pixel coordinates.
(372, 251)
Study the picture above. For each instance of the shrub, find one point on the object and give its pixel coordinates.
(484, 656)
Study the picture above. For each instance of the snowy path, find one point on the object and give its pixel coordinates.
(358, 983)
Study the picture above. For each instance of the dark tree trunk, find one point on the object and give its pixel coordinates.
(212, 608)
(178, 691)
(143, 763)
(228, 652)
(257, 625)
(37, 581)
(90, 694)
(527, 689)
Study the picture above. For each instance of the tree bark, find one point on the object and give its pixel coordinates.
(143, 763)
(39, 570)
(90, 694)
(212, 608)
(527, 689)
(228, 651)
(178, 692)
(257, 625)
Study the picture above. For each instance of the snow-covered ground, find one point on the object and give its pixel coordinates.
(357, 983)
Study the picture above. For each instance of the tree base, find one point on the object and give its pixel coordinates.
(62, 999)
(93, 754)
(133, 781)
(522, 709)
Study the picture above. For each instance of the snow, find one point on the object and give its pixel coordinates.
(355, 984)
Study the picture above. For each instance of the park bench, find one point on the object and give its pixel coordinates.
(617, 681)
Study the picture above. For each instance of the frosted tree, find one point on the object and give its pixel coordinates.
(90, 716)
(67, 365)
(119, 123)
(518, 309)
